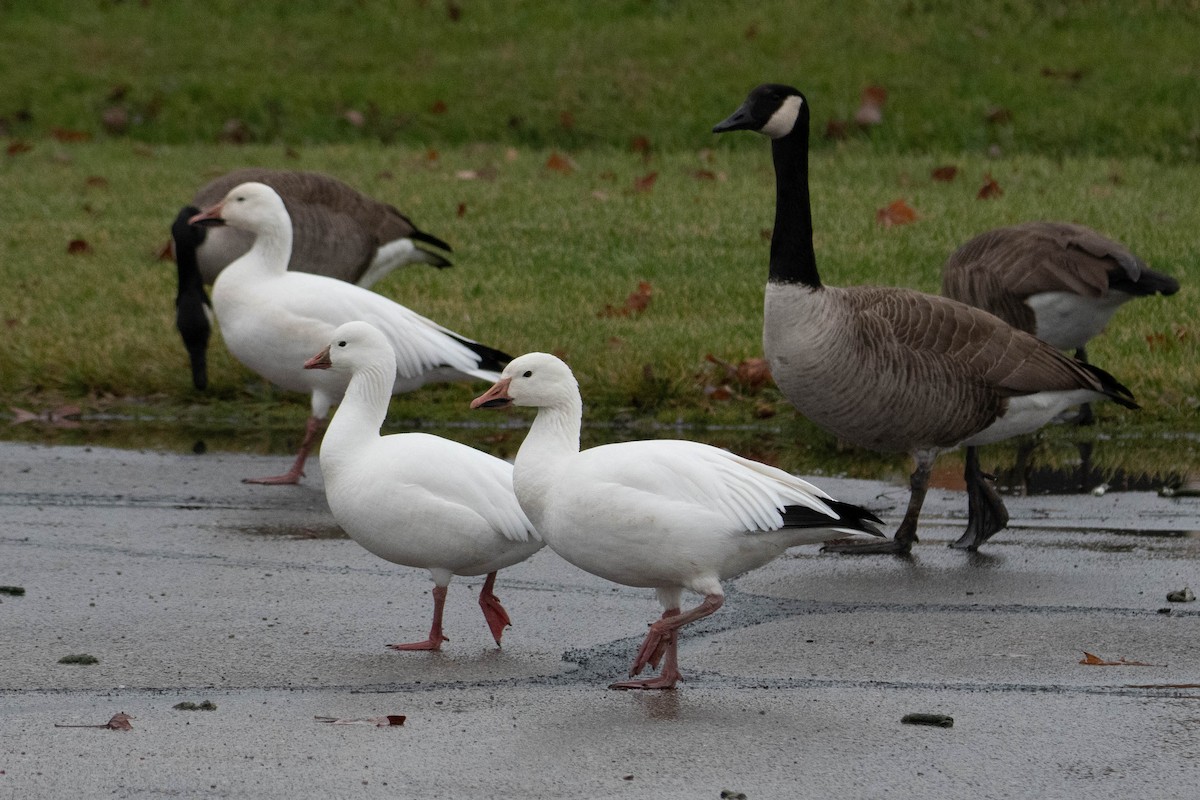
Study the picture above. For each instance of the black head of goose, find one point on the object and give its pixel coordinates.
(193, 311)
(894, 369)
(338, 232)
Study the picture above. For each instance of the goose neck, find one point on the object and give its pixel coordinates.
(793, 259)
(273, 246)
(361, 412)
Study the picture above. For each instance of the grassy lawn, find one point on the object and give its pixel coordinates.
(1081, 112)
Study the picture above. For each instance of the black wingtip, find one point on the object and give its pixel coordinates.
(489, 357)
(1113, 389)
(851, 516)
(430, 239)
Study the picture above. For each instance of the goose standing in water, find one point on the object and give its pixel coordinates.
(337, 231)
(412, 498)
(1060, 281)
(273, 319)
(663, 514)
(893, 369)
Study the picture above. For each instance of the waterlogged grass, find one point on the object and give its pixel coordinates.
(540, 254)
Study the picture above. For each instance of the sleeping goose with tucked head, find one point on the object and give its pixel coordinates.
(273, 319)
(411, 498)
(668, 515)
(337, 231)
(1060, 281)
(893, 369)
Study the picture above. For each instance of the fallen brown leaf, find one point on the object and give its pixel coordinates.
(17, 147)
(945, 174)
(989, 189)
(566, 120)
(438, 107)
(78, 247)
(1092, 660)
(119, 722)
(870, 109)
(67, 135)
(384, 721)
(637, 302)
(560, 163)
(646, 182)
(899, 212)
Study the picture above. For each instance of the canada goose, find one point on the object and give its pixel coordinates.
(412, 498)
(273, 319)
(662, 514)
(894, 369)
(1059, 281)
(339, 232)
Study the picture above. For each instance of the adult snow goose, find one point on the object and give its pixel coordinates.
(337, 231)
(412, 498)
(273, 319)
(665, 514)
(894, 369)
(1060, 281)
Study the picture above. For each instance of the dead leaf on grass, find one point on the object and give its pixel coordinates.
(637, 302)
(899, 212)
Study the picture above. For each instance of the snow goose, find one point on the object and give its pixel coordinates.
(665, 514)
(894, 369)
(411, 498)
(1060, 281)
(337, 231)
(273, 319)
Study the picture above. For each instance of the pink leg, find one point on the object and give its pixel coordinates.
(434, 642)
(293, 475)
(663, 640)
(493, 612)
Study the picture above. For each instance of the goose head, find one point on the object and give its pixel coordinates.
(253, 207)
(772, 109)
(354, 346)
(536, 380)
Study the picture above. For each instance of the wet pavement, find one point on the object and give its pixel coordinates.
(188, 585)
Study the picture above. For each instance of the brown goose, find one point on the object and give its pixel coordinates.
(893, 369)
(339, 232)
(1059, 281)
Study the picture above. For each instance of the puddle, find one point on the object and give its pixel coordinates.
(1060, 460)
(293, 531)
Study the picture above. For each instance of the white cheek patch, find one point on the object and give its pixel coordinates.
(784, 119)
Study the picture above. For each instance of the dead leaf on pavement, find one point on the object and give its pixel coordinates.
(119, 722)
(1092, 660)
(384, 721)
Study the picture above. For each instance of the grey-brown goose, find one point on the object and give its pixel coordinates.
(339, 232)
(894, 369)
(1060, 281)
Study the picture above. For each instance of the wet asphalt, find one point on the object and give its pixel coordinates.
(188, 586)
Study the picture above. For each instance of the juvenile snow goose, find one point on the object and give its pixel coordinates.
(893, 369)
(411, 498)
(1059, 281)
(664, 514)
(338, 231)
(272, 319)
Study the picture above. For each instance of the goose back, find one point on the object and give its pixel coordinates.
(337, 229)
(1026, 273)
(894, 369)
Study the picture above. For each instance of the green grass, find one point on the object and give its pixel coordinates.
(539, 254)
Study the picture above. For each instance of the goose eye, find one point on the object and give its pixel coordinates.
(341, 344)
(528, 374)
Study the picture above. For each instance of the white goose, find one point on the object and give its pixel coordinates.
(894, 369)
(273, 319)
(665, 514)
(338, 231)
(412, 498)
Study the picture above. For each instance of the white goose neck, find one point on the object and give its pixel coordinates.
(273, 245)
(360, 415)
